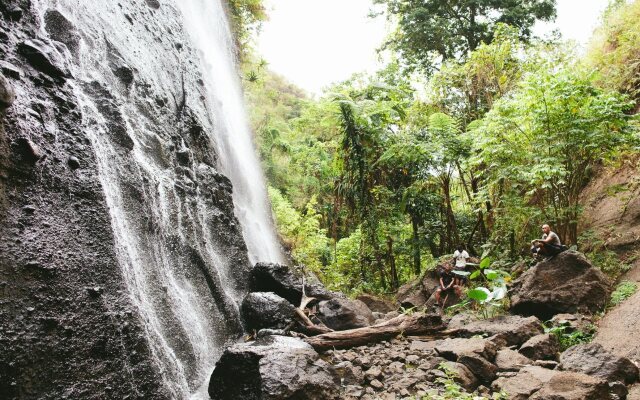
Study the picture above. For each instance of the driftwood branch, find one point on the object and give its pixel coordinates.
(416, 324)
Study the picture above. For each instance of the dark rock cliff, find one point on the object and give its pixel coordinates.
(81, 317)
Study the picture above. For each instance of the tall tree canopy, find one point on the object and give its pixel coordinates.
(430, 31)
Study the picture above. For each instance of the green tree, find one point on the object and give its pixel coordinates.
(539, 146)
(431, 31)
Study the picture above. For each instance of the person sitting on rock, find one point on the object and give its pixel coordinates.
(460, 257)
(549, 245)
(447, 284)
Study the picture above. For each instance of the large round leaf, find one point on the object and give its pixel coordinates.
(480, 294)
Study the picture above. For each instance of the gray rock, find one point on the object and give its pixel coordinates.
(541, 347)
(592, 359)
(266, 310)
(524, 383)
(573, 386)
(479, 366)
(566, 283)
(452, 349)
(377, 304)
(549, 364)
(463, 375)
(343, 313)
(511, 360)
(273, 368)
(7, 95)
(510, 329)
(281, 279)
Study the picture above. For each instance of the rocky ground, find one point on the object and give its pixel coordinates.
(509, 354)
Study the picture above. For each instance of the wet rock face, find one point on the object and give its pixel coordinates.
(71, 327)
(566, 283)
(7, 95)
(273, 368)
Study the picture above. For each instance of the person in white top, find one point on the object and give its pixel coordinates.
(460, 257)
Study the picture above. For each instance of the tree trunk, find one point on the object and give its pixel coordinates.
(416, 324)
(392, 263)
(416, 247)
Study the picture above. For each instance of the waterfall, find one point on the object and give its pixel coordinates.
(206, 22)
(162, 108)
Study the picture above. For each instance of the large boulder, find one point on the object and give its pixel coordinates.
(273, 368)
(541, 347)
(592, 359)
(266, 310)
(573, 386)
(510, 329)
(566, 283)
(341, 313)
(283, 281)
(418, 292)
(377, 304)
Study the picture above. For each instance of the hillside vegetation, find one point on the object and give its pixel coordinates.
(375, 181)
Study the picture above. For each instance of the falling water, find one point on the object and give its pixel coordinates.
(206, 22)
(181, 253)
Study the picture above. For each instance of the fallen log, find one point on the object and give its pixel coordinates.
(416, 324)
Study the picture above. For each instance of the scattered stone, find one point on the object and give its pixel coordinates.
(572, 322)
(523, 384)
(373, 373)
(273, 368)
(511, 360)
(512, 329)
(376, 384)
(541, 347)
(73, 163)
(549, 364)
(463, 376)
(573, 386)
(566, 283)
(479, 366)
(592, 359)
(452, 349)
(266, 310)
(7, 95)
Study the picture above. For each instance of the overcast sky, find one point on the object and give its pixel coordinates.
(314, 43)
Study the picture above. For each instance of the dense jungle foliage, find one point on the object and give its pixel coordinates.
(378, 178)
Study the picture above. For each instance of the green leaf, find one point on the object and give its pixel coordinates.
(475, 274)
(480, 294)
(485, 263)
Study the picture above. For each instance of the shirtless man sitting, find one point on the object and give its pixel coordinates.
(549, 245)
